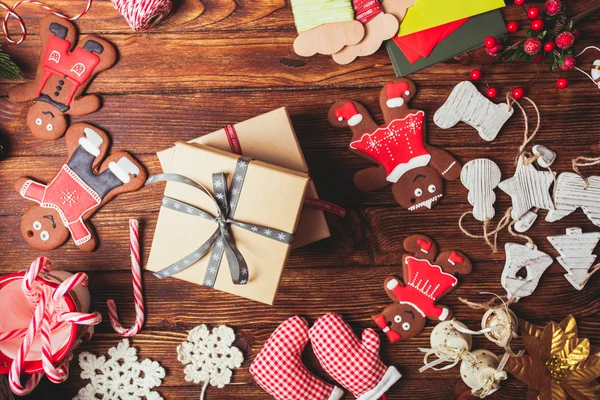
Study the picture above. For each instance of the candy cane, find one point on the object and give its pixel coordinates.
(60, 373)
(10, 12)
(14, 376)
(136, 273)
(29, 285)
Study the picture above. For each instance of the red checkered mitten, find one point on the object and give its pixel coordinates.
(353, 363)
(278, 368)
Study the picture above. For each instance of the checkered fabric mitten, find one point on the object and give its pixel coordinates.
(353, 363)
(279, 370)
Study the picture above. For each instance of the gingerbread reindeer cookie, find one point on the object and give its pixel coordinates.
(415, 169)
(62, 76)
(426, 279)
(83, 185)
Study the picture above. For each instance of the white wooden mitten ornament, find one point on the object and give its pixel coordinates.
(571, 193)
(528, 188)
(529, 258)
(448, 343)
(468, 105)
(546, 156)
(575, 248)
(481, 177)
(482, 373)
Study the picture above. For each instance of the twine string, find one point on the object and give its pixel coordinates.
(583, 161)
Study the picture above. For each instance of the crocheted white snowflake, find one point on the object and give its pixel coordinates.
(209, 357)
(122, 377)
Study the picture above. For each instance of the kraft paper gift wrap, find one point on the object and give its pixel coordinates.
(271, 196)
(271, 138)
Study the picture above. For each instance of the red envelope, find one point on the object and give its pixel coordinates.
(421, 44)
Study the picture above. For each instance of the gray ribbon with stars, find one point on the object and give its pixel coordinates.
(221, 241)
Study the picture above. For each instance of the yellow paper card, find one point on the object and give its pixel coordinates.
(425, 14)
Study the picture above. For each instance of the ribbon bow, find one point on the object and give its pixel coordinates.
(492, 383)
(444, 354)
(221, 241)
(393, 336)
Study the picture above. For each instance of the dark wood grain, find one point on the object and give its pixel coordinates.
(217, 62)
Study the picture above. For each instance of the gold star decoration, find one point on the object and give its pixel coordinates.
(559, 364)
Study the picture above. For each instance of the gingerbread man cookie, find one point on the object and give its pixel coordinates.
(62, 76)
(426, 280)
(83, 185)
(415, 169)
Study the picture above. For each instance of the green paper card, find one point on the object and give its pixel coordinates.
(468, 37)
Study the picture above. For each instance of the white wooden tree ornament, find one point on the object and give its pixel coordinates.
(526, 257)
(481, 177)
(468, 105)
(528, 188)
(571, 194)
(575, 248)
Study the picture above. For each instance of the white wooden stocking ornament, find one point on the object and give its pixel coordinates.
(468, 105)
(481, 177)
(571, 193)
(528, 188)
(534, 262)
(526, 222)
(575, 248)
(546, 156)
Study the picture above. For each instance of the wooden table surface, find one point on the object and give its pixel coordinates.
(218, 62)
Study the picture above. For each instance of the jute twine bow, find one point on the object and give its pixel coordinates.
(444, 354)
(527, 158)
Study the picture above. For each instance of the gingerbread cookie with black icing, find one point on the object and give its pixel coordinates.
(427, 278)
(415, 169)
(63, 74)
(88, 180)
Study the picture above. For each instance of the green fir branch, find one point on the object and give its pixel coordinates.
(9, 71)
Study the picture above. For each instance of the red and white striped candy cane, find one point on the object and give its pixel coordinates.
(14, 376)
(29, 284)
(58, 374)
(136, 273)
(10, 12)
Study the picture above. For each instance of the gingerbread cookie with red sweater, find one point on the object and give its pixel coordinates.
(83, 185)
(62, 76)
(427, 278)
(415, 169)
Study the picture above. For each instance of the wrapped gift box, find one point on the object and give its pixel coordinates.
(271, 196)
(270, 138)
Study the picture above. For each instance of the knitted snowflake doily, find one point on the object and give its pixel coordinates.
(122, 377)
(209, 357)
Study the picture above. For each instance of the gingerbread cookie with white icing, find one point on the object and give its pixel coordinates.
(84, 183)
(415, 169)
(63, 74)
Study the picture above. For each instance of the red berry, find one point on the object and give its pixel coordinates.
(576, 33)
(553, 7)
(532, 46)
(565, 40)
(490, 42)
(533, 12)
(475, 74)
(494, 50)
(492, 92)
(537, 59)
(537, 25)
(548, 47)
(518, 93)
(562, 83)
(512, 26)
(519, 2)
(567, 63)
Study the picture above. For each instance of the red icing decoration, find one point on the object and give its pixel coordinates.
(455, 258)
(70, 196)
(424, 284)
(425, 245)
(399, 147)
(380, 321)
(395, 90)
(346, 112)
(76, 67)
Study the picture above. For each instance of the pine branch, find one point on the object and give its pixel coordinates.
(8, 69)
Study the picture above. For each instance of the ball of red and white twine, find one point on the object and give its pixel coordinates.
(136, 274)
(47, 316)
(10, 12)
(142, 15)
